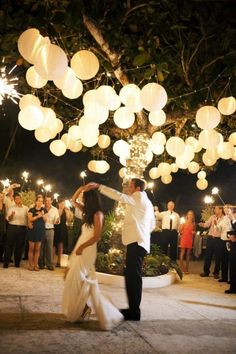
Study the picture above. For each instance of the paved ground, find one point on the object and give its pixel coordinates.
(191, 316)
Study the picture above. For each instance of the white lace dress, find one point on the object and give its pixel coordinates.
(81, 287)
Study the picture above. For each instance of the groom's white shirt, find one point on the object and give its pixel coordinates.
(139, 216)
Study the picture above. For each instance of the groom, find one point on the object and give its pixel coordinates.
(138, 223)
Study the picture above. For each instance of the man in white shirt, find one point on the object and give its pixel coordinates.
(138, 223)
(170, 221)
(213, 243)
(17, 217)
(46, 250)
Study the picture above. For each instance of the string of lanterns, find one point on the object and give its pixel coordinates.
(50, 63)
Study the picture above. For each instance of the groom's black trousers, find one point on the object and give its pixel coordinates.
(133, 276)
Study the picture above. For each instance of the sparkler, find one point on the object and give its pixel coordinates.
(208, 199)
(5, 182)
(7, 85)
(214, 191)
(83, 175)
(25, 176)
(55, 196)
(48, 188)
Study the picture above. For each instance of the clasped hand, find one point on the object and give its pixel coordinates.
(79, 250)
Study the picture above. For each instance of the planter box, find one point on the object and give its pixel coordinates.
(148, 282)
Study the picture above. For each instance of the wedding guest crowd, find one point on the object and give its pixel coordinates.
(43, 228)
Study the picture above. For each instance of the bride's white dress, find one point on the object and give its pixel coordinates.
(81, 287)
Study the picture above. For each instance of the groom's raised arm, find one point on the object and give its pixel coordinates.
(111, 193)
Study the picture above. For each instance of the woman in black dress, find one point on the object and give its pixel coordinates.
(36, 232)
(61, 231)
(2, 226)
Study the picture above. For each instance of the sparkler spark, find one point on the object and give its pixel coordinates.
(7, 86)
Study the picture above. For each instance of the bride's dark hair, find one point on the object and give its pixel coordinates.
(92, 204)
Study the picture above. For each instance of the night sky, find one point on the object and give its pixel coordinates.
(63, 172)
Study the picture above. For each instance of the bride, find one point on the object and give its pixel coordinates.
(81, 291)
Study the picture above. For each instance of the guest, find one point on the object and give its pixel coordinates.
(156, 233)
(2, 226)
(17, 216)
(36, 232)
(225, 226)
(9, 195)
(138, 223)
(170, 225)
(232, 254)
(213, 244)
(46, 250)
(232, 262)
(187, 231)
(61, 231)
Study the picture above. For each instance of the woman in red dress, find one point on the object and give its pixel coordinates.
(187, 231)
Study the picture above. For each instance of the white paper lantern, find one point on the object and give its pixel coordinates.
(227, 105)
(225, 150)
(174, 167)
(33, 79)
(194, 143)
(166, 179)
(87, 125)
(207, 161)
(85, 64)
(149, 156)
(51, 62)
(159, 138)
(76, 146)
(193, 167)
(175, 146)
(123, 160)
(208, 117)
(104, 96)
(57, 147)
(65, 81)
(121, 148)
(90, 97)
(153, 97)
(157, 118)
(181, 162)
(201, 175)
(157, 149)
(188, 153)
(122, 172)
(30, 117)
(234, 155)
(130, 96)
(92, 165)
(164, 169)
(68, 140)
(96, 113)
(124, 118)
(127, 91)
(114, 103)
(74, 91)
(104, 141)
(91, 139)
(232, 138)
(29, 100)
(212, 154)
(209, 139)
(29, 43)
(74, 132)
(59, 125)
(154, 173)
(42, 134)
(202, 184)
(102, 166)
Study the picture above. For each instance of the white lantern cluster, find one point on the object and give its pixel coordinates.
(98, 166)
(201, 182)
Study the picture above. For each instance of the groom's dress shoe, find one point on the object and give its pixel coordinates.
(129, 316)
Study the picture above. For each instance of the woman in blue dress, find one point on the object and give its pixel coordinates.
(36, 231)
